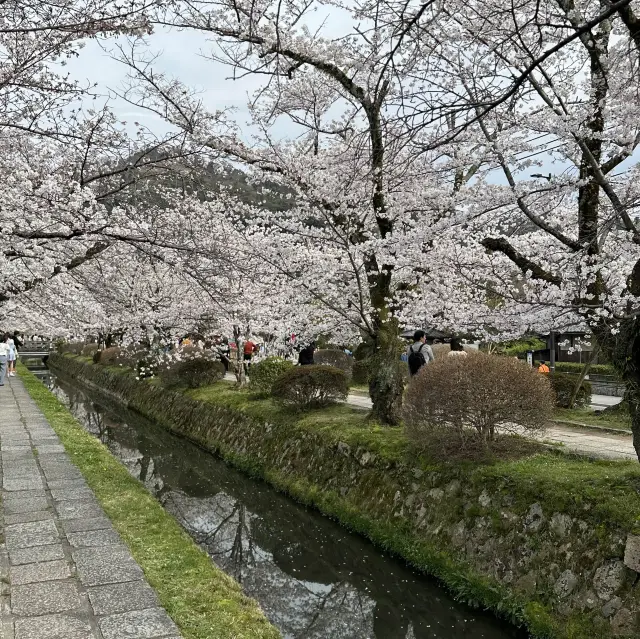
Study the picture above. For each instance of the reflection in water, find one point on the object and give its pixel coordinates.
(313, 579)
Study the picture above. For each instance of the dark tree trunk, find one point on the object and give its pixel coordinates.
(386, 382)
(624, 351)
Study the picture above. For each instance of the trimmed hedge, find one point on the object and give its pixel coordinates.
(311, 386)
(335, 358)
(594, 369)
(265, 373)
(564, 385)
(192, 373)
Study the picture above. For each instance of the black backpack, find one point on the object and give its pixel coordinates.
(416, 360)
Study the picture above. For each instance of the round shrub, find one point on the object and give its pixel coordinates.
(564, 385)
(311, 386)
(192, 373)
(263, 374)
(108, 357)
(360, 372)
(474, 397)
(75, 348)
(335, 358)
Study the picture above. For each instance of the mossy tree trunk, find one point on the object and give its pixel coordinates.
(386, 382)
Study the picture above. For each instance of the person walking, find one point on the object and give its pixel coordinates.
(13, 355)
(4, 356)
(419, 353)
(456, 348)
(248, 350)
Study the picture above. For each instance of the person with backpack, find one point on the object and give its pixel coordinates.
(420, 353)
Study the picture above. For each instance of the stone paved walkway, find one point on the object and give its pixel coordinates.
(65, 572)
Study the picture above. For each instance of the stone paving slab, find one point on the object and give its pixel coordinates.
(66, 572)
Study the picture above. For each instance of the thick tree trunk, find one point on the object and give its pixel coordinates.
(624, 351)
(386, 381)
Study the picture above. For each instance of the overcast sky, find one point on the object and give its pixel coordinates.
(182, 57)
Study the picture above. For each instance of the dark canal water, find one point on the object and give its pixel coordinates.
(313, 579)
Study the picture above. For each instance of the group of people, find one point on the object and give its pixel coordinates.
(8, 356)
(420, 352)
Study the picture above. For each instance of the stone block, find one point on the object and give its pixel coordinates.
(61, 471)
(25, 483)
(26, 505)
(565, 584)
(37, 533)
(535, 518)
(9, 498)
(141, 624)
(18, 468)
(632, 553)
(23, 518)
(125, 597)
(46, 449)
(71, 494)
(37, 554)
(609, 578)
(88, 523)
(79, 508)
(93, 538)
(67, 483)
(108, 565)
(34, 573)
(560, 524)
(33, 600)
(53, 627)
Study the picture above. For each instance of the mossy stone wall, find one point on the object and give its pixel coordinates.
(565, 564)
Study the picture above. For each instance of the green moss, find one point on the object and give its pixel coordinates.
(200, 598)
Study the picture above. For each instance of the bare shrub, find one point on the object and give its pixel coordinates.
(335, 358)
(306, 387)
(89, 349)
(476, 397)
(192, 373)
(109, 356)
(75, 348)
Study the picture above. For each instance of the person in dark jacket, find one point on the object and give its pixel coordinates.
(305, 358)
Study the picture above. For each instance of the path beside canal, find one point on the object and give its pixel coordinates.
(65, 571)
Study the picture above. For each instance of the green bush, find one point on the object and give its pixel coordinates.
(335, 358)
(311, 386)
(594, 369)
(108, 357)
(360, 373)
(192, 373)
(263, 374)
(564, 384)
(75, 348)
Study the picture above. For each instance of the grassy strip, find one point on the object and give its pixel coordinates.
(584, 417)
(200, 598)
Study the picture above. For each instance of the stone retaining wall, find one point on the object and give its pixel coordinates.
(495, 540)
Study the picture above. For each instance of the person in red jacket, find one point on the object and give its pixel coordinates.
(249, 349)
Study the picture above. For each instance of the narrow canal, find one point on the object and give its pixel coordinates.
(313, 578)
